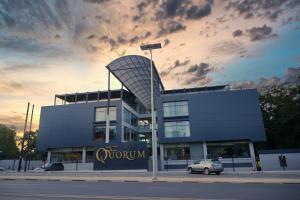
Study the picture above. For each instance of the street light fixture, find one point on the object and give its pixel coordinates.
(150, 47)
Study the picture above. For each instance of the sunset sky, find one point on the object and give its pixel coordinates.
(50, 47)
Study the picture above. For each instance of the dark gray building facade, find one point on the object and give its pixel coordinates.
(192, 124)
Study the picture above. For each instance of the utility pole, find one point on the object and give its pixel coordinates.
(150, 47)
(27, 136)
(22, 141)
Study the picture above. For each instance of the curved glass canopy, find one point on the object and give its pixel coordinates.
(134, 73)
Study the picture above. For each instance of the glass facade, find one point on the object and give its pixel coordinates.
(100, 114)
(100, 132)
(177, 129)
(130, 118)
(130, 135)
(89, 154)
(176, 109)
(67, 155)
(228, 150)
(177, 152)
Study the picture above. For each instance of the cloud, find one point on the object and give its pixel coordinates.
(237, 33)
(270, 9)
(166, 42)
(184, 9)
(24, 67)
(96, 1)
(260, 33)
(230, 47)
(14, 120)
(177, 64)
(180, 64)
(197, 74)
(15, 13)
(10, 87)
(290, 77)
(197, 12)
(170, 27)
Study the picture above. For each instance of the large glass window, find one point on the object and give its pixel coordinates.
(67, 155)
(90, 154)
(102, 112)
(175, 109)
(177, 129)
(100, 132)
(132, 135)
(177, 152)
(130, 118)
(228, 150)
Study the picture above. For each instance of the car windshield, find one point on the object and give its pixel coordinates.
(216, 162)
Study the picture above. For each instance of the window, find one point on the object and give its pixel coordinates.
(132, 135)
(101, 114)
(177, 129)
(100, 132)
(90, 154)
(177, 152)
(175, 109)
(130, 118)
(228, 150)
(67, 155)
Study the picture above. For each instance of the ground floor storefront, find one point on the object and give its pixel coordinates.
(235, 155)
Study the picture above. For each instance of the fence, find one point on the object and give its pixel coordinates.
(13, 164)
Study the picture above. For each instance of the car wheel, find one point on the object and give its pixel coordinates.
(206, 171)
(190, 170)
(218, 173)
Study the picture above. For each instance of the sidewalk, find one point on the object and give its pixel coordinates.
(291, 177)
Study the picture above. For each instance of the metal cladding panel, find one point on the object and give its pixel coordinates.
(71, 125)
(121, 156)
(134, 72)
(218, 116)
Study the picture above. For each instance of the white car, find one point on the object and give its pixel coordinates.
(2, 169)
(39, 169)
(206, 166)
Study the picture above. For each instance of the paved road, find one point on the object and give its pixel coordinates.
(18, 189)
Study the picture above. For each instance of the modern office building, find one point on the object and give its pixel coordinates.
(192, 124)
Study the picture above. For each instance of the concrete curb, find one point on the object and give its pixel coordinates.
(130, 180)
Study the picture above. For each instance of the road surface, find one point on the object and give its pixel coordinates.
(63, 190)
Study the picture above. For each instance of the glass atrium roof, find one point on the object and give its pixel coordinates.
(134, 72)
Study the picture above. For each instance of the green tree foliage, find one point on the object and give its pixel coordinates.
(281, 113)
(8, 145)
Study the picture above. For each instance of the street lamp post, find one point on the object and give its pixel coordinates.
(150, 47)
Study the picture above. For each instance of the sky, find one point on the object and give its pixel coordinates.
(50, 47)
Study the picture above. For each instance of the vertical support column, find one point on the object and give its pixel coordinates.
(162, 157)
(48, 156)
(98, 96)
(76, 98)
(252, 154)
(54, 100)
(121, 92)
(204, 150)
(154, 140)
(86, 97)
(83, 154)
(107, 114)
(65, 100)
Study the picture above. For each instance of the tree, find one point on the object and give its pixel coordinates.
(8, 145)
(281, 114)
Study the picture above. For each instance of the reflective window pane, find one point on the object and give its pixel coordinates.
(100, 114)
(228, 150)
(175, 109)
(177, 152)
(177, 129)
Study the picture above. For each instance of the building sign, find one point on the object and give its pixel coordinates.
(133, 155)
